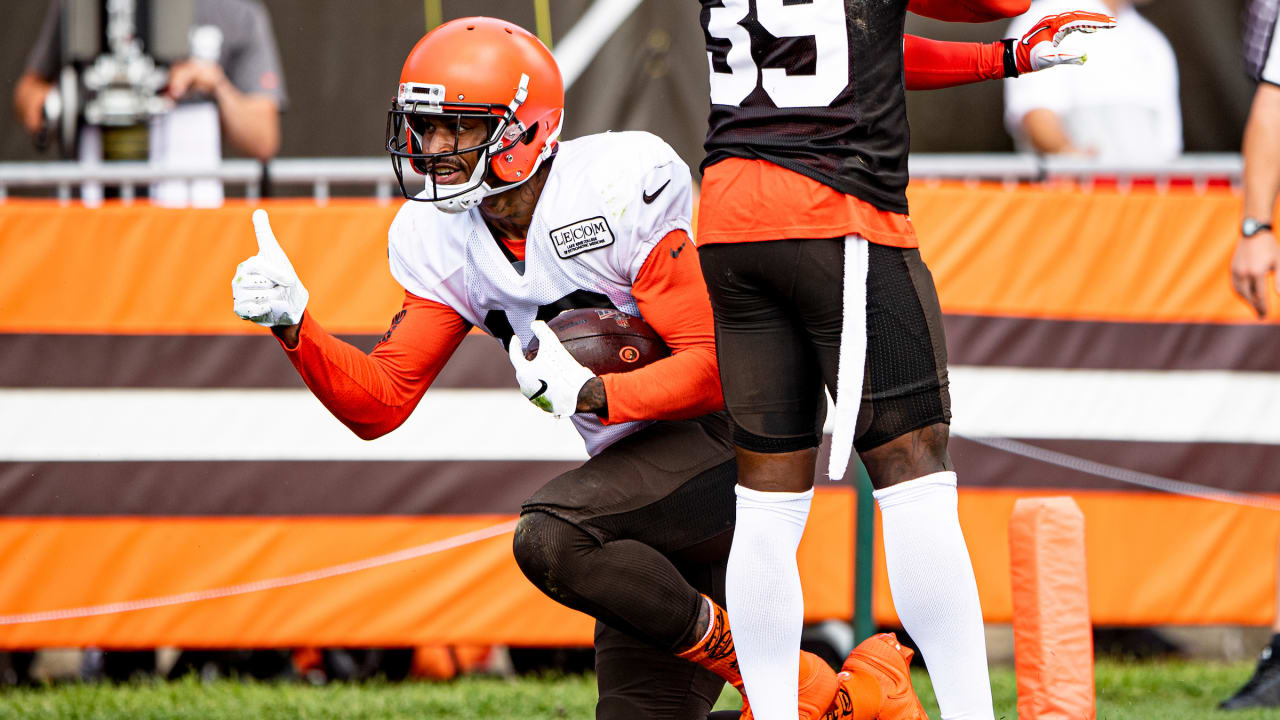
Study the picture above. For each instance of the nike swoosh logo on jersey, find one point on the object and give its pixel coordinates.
(541, 390)
(676, 253)
(650, 198)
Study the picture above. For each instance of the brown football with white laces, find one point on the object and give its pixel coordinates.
(605, 341)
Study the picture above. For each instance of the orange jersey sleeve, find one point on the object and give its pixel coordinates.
(932, 64)
(673, 299)
(373, 394)
(971, 11)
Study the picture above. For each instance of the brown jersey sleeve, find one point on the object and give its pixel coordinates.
(673, 299)
(373, 394)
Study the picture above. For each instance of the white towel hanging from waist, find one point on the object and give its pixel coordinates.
(853, 355)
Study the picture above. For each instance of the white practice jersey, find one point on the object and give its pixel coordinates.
(608, 200)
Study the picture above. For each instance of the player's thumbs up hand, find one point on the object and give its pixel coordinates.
(270, 255)
(265, 289)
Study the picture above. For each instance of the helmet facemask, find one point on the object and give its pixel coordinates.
(419, 107)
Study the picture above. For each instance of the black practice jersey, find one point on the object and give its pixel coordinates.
(814, 86)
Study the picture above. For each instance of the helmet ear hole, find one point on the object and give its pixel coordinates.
(529, 135)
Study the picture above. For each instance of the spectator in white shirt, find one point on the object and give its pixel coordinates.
(1121, 106)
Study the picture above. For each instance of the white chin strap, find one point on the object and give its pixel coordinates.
(466, 200)
(463, 202)
(472, 198)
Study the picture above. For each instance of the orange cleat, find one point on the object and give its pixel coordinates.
(818, 685)
(883, 658)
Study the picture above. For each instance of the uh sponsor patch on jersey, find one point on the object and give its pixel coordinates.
(579, 237)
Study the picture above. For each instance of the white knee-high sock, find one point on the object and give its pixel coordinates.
(934, 591)
(763, 598)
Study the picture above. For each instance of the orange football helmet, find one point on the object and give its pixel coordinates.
(485, 68)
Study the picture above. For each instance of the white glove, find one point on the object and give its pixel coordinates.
(552, 379)
(266, 290)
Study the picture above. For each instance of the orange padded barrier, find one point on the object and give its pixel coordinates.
(1153, 559)
(471, 595)
(1140, 256)
(1146, 566)
(1137, 256)
(1052, 635)
(140, 269)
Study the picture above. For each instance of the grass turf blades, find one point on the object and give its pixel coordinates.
(1126, 691)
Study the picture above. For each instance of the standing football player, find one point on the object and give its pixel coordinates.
(815, 279)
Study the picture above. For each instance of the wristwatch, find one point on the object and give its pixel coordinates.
(1250, 227)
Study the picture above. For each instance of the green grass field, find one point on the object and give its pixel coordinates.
(1146, 691)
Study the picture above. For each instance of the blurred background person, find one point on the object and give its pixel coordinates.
(229, 84)
(1122, 105)
(1256, 256)
(1256, 252)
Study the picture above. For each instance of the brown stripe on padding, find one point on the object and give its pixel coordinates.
(202, 361)
(1238, 467)
(359, 488)
(256, 361)
(1004, 341)
(261, 488)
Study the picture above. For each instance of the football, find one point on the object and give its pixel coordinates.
(605, 341)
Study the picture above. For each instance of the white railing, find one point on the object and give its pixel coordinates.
(1197, 168)
(320, 174)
